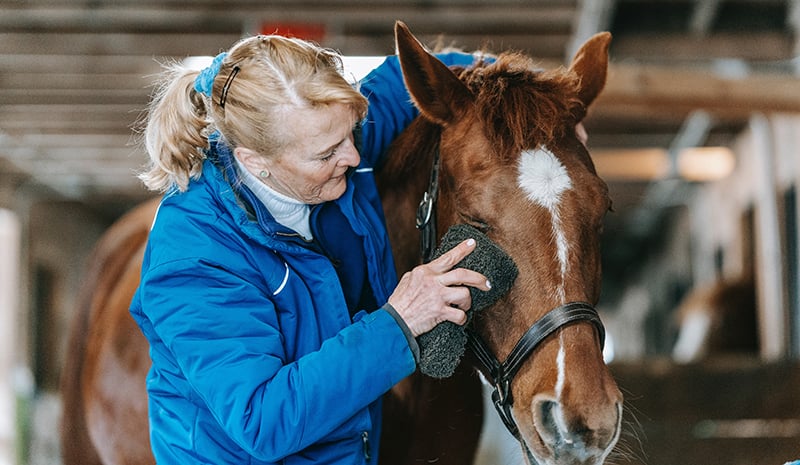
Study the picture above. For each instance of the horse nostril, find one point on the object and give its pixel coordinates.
(549, 422)
(555, 431)
(571, 437)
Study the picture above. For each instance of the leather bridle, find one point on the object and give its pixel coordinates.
(426, 212)
(501, 374)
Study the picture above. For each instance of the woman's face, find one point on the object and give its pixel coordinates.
(312, 167)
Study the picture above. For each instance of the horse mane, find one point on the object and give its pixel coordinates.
(521, 106)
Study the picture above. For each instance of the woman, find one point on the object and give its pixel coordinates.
(268, 292)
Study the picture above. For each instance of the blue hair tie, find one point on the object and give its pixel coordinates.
(204, 82)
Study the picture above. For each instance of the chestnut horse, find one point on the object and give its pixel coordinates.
(509, 163)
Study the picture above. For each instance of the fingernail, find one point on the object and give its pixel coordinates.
(470, 242)
(488, 284)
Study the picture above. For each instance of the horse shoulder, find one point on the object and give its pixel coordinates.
(102, 318)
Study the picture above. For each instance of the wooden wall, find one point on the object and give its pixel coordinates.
(722, 412)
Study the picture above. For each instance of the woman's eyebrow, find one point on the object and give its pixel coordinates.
(327, 150)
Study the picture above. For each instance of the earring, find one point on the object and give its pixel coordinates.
(263, 173)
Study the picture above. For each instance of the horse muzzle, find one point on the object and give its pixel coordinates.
(561, 440)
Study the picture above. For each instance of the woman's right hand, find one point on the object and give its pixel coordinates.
(435, 292)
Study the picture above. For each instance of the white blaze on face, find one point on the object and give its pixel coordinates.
(544, 179)
(561, 365)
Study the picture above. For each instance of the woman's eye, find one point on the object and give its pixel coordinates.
(329, 155)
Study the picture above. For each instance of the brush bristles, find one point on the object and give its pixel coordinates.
(442, 348)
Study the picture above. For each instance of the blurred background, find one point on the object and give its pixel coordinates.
(697, 135)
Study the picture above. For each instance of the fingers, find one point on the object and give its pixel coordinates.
(465, 277)
(458, 297)
(449, 259)
(456, 315)
(459, 276)
(436, 292)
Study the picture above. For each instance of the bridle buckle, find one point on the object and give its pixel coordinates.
(503, 390)
(424, 210)
(501, 397)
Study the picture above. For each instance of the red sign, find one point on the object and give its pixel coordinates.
(308, 31)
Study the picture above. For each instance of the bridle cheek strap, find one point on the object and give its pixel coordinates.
(426, 211)
(502, 374)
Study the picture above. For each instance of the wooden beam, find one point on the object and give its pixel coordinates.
(752, 46)
(99, 118)
(546, 43)
(649, 89)
(649, 164)
(193, 17)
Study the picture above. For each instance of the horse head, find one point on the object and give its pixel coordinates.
(513, 167)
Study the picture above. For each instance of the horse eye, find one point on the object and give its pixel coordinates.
(475, 222)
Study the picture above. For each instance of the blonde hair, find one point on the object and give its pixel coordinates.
(274, 75)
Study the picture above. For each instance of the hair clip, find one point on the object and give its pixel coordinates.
(227, 86)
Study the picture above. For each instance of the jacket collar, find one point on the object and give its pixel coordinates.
(222, 178)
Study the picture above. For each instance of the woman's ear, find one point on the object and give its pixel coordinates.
(252, 161)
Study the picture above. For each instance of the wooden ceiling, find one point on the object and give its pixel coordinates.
(75, 75)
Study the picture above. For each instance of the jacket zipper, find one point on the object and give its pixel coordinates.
(365, 441)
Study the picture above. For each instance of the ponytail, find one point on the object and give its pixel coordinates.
(176, 131)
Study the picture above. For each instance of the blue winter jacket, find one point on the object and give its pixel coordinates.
(255, 357)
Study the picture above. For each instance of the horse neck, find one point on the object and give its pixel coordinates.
(402, 182)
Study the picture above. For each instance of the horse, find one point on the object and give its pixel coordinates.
(103, 394)
(502, 138)
(718, 318)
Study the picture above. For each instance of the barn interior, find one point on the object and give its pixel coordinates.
(696, 133)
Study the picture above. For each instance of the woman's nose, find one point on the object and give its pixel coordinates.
(350, 156)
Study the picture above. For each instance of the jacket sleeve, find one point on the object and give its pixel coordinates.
(390, 106)
(231, 352)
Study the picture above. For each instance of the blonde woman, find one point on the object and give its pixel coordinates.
(268, 293)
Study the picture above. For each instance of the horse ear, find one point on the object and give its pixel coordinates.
(591, 64)
(435, 89)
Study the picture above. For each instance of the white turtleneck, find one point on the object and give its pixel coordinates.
(287, 211)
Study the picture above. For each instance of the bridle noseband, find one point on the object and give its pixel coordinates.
(501, 374)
